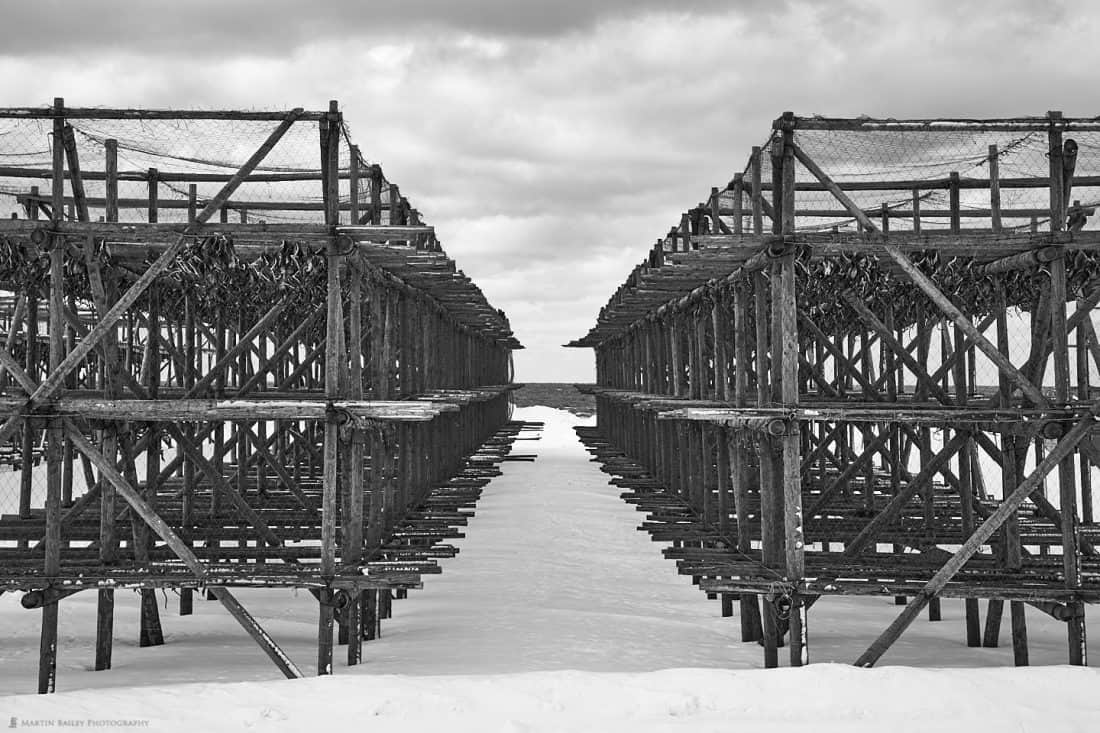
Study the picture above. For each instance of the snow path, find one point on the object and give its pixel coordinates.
(553, 574)
(557, 615)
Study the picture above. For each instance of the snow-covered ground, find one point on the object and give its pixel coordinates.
(556, 615)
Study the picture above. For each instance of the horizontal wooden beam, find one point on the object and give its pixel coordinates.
(107, 113)
(201, 410)
(927, 184)
(1000, 124)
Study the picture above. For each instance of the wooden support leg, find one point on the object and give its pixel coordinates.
(47, 651)
(150, 633)
(180, 548)
(343, 634)
(324, 632)
(355, 629)
(104, 628)
(993, 615)
(47, 658)
(800, 653)
(771, 635)
(1019, 634)
(973, 623)
(371, 628)
(752, 628)
(1078, 652)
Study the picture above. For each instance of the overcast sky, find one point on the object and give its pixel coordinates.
(551, 143)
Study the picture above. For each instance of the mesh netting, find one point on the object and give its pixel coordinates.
(917, 164)
(285, 187)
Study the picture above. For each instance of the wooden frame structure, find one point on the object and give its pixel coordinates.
(820, 382)
(196, 405)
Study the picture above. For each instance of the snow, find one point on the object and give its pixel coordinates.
(557, 614)
(821, 698)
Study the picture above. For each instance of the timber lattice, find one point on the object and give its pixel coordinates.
(868, 364)
(311, 395)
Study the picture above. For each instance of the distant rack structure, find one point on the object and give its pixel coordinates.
(233, 354)
(868, 365)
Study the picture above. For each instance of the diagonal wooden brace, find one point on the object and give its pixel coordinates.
(182, 551)
(107, 323)
(982, 534)
(220, 484)
(900, 499)
(280, 470)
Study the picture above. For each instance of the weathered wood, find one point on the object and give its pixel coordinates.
(1065, 448)
(56, 378)
(181, 549)
(994, 161)
(47, 660)
(948, 308)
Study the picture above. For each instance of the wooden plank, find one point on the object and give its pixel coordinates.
(128, 113)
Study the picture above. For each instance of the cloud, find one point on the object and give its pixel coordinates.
(274, 27)
(551, 144)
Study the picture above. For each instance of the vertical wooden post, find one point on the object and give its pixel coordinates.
(47, 661)
(755, 174)
(966, 488)
(187, 518)
(924, 339)
(1057, 181)
(994, 188)
(953, 201)
(108, 534)
(1067, 486)
(771, 497)
(154, 195)
(676, 347)
(376, 179)
(150, 633)
(330, 142)
(192, 202)
(353, 184)
(719, 329)
(30, 427)
(1084, 393)
(751, 629)
(110, 211)
(738, 202)
(353, 522)
(1011, 475)
(787, 316)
